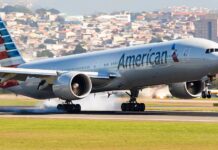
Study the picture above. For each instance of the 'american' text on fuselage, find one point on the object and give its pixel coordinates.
(150, 58)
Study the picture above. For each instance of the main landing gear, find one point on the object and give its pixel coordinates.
(69, 107)
(132, 105)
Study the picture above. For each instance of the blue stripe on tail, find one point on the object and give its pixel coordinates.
(2, 25)
(13, 54)
(10, 46)
(4, 32)
(7, 39)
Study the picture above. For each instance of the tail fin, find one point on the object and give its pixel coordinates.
(9, 54)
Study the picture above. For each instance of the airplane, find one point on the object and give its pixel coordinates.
(188, 66)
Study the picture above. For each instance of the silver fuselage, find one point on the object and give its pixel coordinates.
(135, 67)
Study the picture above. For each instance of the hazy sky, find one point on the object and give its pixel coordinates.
(77, 7)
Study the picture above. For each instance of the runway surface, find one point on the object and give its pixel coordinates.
(177, 116)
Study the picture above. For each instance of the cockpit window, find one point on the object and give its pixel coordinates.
(211, 50)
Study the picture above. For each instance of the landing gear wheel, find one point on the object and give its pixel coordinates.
(206, 94)
(77, 108)
(136, 107)
(60, 107)
(133, 107)
(123, 107)
(141, 107)
(203, 94)
(209, 94)
(69, 108)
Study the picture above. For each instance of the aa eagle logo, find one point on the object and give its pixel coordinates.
(174, 53)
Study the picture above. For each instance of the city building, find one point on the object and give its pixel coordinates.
(207, 27)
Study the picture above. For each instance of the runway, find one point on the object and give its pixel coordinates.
(173, 116)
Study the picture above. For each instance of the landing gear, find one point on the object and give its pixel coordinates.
(69, 107)
(132, 105)
(206, 93)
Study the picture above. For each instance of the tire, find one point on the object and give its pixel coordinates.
(142, 107)
(70, 108)
(123, 107)
(136, 107)
(128, 107)
(60, 107)
(203, 94)
(132, 107)
(77, 108)
(209, 95)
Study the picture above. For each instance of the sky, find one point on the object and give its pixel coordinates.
(85, 7)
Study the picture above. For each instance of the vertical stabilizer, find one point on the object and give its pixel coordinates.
(9, 54)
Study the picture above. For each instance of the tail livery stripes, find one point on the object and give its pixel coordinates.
(9, 54)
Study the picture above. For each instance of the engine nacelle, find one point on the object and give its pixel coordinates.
(71, 86)
(187, 90)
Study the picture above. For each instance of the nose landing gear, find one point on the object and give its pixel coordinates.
(206, 93)
(133, 105)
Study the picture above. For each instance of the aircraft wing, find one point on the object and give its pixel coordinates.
(22, 73)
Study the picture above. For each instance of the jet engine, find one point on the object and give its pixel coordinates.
(187, 90)
(71, 86)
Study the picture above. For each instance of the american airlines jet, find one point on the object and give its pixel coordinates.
(188, 66)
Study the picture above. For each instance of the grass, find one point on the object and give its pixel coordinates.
(49, 134)
(66, 134)
(18, 102)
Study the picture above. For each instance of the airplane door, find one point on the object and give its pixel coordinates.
(186, 52)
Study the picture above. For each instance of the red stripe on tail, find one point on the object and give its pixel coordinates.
(3, 55)
(1, 41)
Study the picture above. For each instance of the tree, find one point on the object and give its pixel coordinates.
(45, 53)
(50, 41)
(156, 40)
(79, 49)
(66, 53)
(41, 11)
(17, 8)
(97, 30)
(32, 23)
(42, 46)
(54, 11)
(60, 19)
(24, 38)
